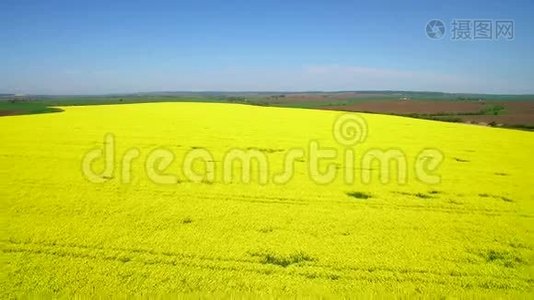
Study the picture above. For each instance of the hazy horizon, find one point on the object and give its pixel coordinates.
(262, 92)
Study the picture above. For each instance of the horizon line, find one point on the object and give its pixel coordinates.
(258, 91)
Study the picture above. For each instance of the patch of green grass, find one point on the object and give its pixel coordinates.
(284, 260)
(25, 108)
(505, 257)
(492, 110)
(503, 198)
(266, 229)
(187, 220)
(460, 160)
(506, 199)
(422, 196)
(359, 195)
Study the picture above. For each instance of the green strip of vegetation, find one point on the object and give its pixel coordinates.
(25, 108)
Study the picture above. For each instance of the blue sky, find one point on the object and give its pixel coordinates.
(94, 47)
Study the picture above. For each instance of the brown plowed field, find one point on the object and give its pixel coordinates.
(514, 113)
(9, 113)
(412, 106)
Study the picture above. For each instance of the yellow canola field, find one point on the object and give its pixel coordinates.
(157, 230)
